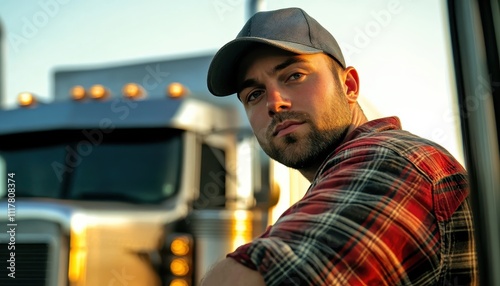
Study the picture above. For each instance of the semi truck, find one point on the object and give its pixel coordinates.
(145, 190)
(132, 175)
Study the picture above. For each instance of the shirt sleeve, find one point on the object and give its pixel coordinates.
(367, 219)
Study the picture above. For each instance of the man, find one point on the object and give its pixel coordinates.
(385, 207)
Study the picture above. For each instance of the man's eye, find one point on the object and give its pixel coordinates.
(296, 76)
(254, 95)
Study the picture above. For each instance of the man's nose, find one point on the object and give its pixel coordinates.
(277, 101)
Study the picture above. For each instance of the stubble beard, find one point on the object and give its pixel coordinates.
(309, 150)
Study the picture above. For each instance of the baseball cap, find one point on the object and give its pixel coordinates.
(290, 29)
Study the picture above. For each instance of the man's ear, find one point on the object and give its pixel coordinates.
(351, 82)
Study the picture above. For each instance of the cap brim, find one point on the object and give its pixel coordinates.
(222, 73)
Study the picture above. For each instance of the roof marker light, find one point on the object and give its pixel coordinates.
(99, 92)
(78, 93)
(26, 99)
(177, 90)
(133, 91)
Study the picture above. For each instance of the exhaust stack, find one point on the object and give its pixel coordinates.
(255, 6)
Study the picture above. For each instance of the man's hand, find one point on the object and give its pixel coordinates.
(228, 272)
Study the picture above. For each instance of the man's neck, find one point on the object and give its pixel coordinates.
(358, 118)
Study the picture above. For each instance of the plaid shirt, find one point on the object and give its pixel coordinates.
(385, 208)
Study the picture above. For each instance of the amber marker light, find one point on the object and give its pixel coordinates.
(180, 246)
(133, 91)
(179, 267)
(77, 93)
(177, 90)
(26, 99)
(179, 282)
(98, 92)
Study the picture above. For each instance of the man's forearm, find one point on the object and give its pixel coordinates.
(228, 272)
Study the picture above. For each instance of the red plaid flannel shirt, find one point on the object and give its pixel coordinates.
(386, 208)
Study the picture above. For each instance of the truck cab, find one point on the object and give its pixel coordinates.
(118, 182)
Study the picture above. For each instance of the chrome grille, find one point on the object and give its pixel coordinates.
(30, 265)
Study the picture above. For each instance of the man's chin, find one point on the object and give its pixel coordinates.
(293, 156)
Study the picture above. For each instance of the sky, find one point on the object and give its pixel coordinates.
(400, 48)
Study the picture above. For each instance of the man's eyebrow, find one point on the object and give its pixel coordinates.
(252, 82)
(288, 62)
(246, 83)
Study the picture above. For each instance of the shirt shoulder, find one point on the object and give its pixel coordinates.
(384, 140)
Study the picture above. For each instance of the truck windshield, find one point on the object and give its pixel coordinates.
(130, 165)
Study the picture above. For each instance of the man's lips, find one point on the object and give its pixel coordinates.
(286, 127)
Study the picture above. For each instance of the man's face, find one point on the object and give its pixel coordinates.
(295, 104)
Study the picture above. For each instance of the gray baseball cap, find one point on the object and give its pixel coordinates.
(290, 29)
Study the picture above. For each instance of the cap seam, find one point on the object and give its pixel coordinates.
(308, 27)
(249, 27)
